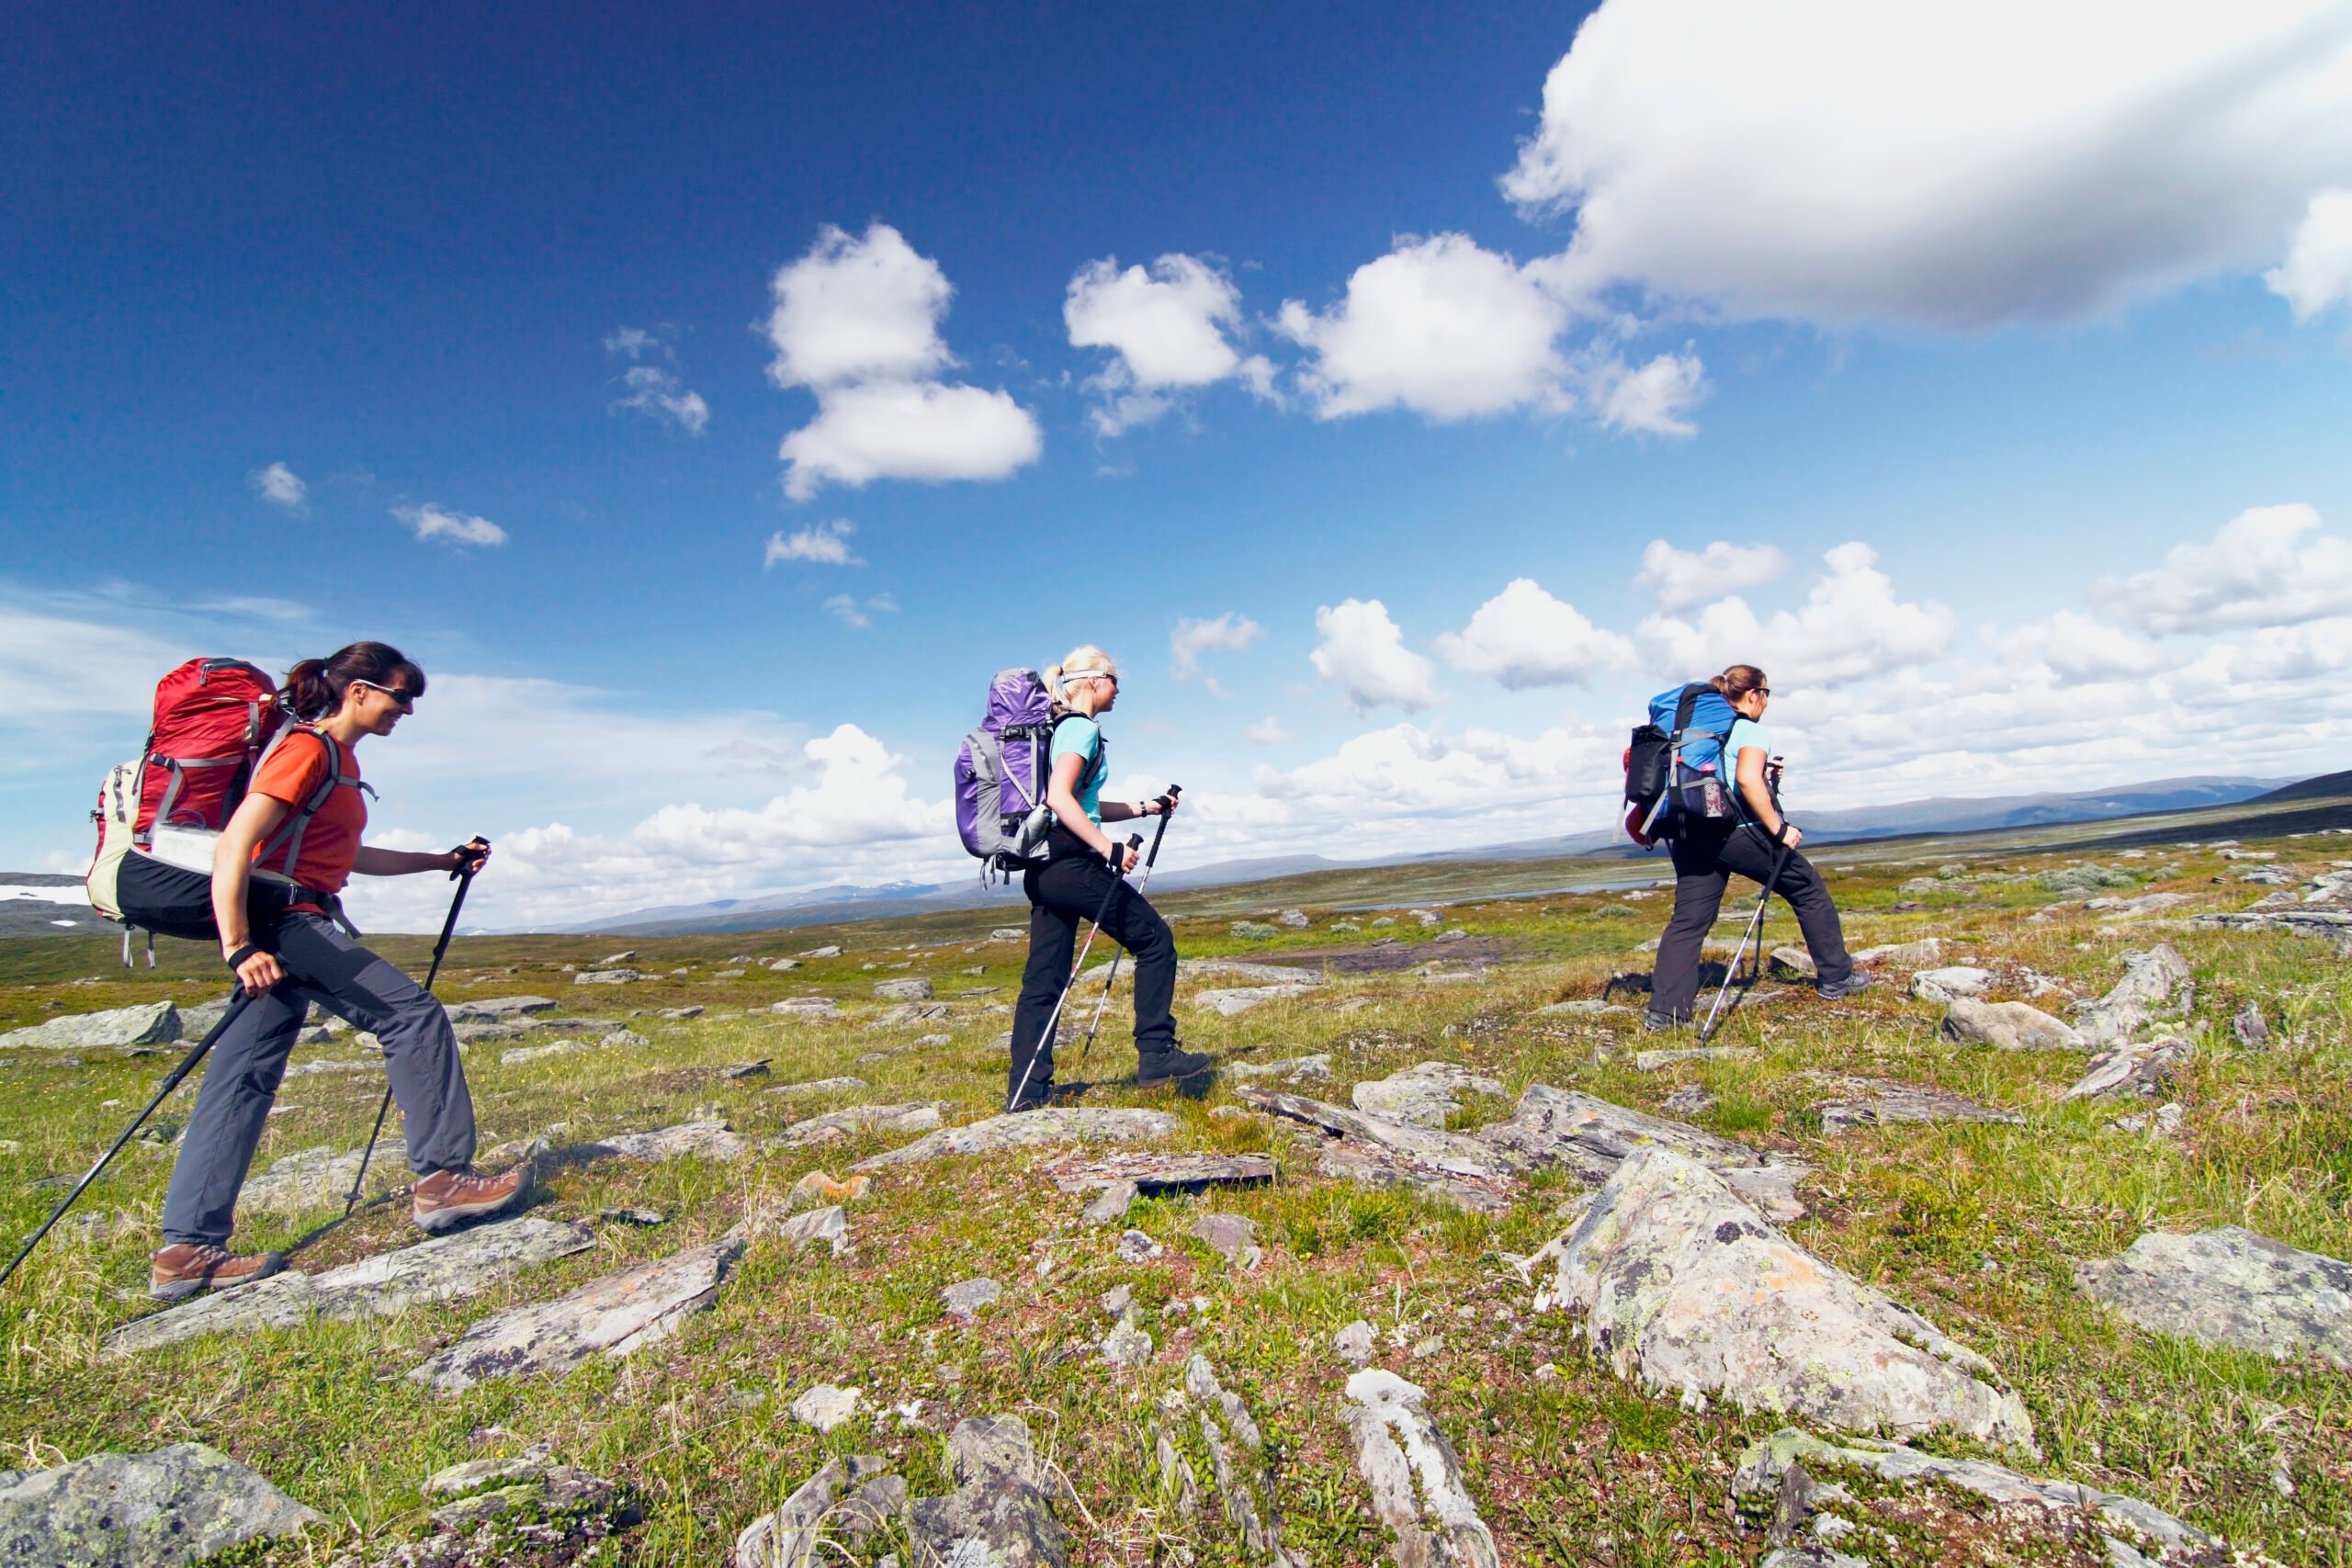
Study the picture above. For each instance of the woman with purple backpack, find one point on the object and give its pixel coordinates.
(1076, 882)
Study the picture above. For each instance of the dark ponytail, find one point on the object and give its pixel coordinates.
(1738, 680)
(314, 689)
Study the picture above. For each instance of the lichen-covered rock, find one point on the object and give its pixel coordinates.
(1927, 950)
(178, 1504)
(1685, 1287)
(446, 1268)
(1414, 1475)
(1126, 1345)
(611, 1316)
(1452, 1166)
(907, 990)
(2010, 1026)
(1793, 963)
(815, 1086)
(493, 1009)
(315, 1178)
(1238, 1463)
(788, 1538)
(706, 1140)
(152, 1024)
(2137, 1067)
(1000, 1515)
(824, 1406)
(1869, 1102)
(840, 1126)
(1030, 1129)
(1227, 1003)
(1950, 984)
(606, 978)
(965, 1298)
(2230, 1286)
(1769, 1463)
(1591, 1138)
(1422, 1095)
(2155, 983)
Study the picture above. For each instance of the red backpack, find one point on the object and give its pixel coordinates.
(214, 718)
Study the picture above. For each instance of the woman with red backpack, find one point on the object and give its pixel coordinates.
(1750, 841)
(277, 872)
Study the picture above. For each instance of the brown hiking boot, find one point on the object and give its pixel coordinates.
(449, 1197)
(184, 1267)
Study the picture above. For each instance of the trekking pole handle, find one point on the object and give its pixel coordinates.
(470, 857)
(1118, 861)
(1167, 805)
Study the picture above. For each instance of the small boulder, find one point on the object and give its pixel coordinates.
(966, 1298)
(2253, 1031)
(1353, 1344)
(153, 1024)
(2139, 1066)
(2156, 981)
(176, 1505)
(1951, 984)
(825, 1407)
(1254, 929)
(1423, 1095)
(1232, 1237)
(2229, 1286)
(2009, 1026)
(1137, 1247)
(1294, 919)
(1793, 963)
(909, 991)
(606, 978)
(1906, 954)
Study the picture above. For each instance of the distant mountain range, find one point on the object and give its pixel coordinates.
(1941, 814)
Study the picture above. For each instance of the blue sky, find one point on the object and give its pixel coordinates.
(338, 321)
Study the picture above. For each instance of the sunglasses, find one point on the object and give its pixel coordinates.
(404, 700)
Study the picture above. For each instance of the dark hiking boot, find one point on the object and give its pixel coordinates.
(1660, 1023)
(1037, 1097)
(1169, 1064)
(1853, 985)
(449, 1197)
(183, 1268)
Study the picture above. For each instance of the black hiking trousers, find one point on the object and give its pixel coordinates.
(1062, 892)
(248, 1063)
(1704, 859)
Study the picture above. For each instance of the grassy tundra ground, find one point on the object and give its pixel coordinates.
(1977, 1226)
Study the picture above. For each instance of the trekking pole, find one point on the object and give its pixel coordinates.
(1168, 809)
(172, 1081)
(1046, 1041)
(1755, 928)
(464, 877)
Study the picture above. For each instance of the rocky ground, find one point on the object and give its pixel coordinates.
(2032, 1255)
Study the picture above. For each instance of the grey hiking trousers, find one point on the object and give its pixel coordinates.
(240, 1079)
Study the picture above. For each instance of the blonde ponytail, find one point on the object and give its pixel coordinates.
(1084, 659)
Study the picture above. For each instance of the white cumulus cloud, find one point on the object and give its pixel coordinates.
(1851, 627)
(1440, 326)
(1170, 329)
(2077, 646)
(1652, 398)
(1523, 637)
(1189, 638)
(280, 486)
(1364, 653)
(657, 393)
(1267, 731)
(2259, 571)
(1684, 578)
(1850, 160)
(819, 544)
(2317, 272)
(434, 522)
(856, 322)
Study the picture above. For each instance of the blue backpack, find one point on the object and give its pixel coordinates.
(1674, 768)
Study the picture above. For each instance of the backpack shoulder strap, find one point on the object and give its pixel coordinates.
(1094, 767)
(290, 832)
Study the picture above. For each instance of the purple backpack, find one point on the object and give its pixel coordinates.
(1001, 774)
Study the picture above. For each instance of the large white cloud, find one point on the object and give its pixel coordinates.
(1523, 637)
(1170, 329)
(1852, 626)
(856, 322)
(1850, 160)
(931, 431)
(1684, 578)
(1438, 326)
(1364, 653)
(2259, 571)
(2317, 272)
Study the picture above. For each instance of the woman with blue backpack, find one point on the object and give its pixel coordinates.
(1076, 882)
(1714, 831)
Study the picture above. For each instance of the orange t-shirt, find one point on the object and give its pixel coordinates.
(290, 774)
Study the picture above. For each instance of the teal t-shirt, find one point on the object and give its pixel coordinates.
(1745, 733)
(1081, 737)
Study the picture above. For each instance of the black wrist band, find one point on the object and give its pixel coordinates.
(237, 958)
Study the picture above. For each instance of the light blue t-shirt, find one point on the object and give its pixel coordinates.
(1745, 733)
(1081, 737)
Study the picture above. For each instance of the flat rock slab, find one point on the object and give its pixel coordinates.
(1766, 1467)
(177, 1504)
(1375, 1152)
(1154, 1173)
(611, 1316)
(1910, 955)
(909, 990)
(152, 1024)
(2156, 982)
(1683, 1286)
(1422, 1095)
(1379, 957)
(486, 1010)
(1415, 1476)
(1652, 1061)
(706, 1140)
(840, 1126)
(315, 1178)
(2229, 1286)
(1950, 984)
(2010, 1026)
(1872, 1102)
(815, 1085)
(1031, 1129)
(1591, 1138)
(2135, 1066)
(1297, 1069)
(446, 1268)
(1227, 1003)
